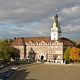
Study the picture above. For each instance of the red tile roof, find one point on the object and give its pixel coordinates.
(17, 40)
(67, 42)
(23, 40)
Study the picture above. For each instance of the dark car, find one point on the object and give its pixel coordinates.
(1, 78)
(11, 71)
(17, 63)
(10, 63)
(6, 74)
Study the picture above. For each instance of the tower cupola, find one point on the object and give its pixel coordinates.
(55, 30)
(55, 16)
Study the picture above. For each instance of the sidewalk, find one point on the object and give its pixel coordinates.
(72, 64)
(54, 63)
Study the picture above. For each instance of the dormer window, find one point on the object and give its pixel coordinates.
(26, 43)
(37, 43)
(19, 42)
(50, 43)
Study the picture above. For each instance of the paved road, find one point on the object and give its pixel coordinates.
(21, 66)
(50, 72)
(10, 66)
(13, 75)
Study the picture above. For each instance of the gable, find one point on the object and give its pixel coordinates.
(43, 42)
(31, 43)
(56, 43)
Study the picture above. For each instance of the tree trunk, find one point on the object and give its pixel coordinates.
(69, 60)
(74, 61)
(77, 60)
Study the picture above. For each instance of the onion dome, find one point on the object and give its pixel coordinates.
(55, 16)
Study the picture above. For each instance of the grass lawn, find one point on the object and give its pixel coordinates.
(49, 72)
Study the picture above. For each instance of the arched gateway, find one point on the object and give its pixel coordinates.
(42, 56)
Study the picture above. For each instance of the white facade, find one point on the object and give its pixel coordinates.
(54, 33)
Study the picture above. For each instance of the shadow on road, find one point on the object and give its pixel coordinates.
(23, 75)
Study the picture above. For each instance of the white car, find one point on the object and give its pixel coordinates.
(1, 66)
(15, 68)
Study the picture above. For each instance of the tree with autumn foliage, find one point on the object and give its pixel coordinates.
(75, 54)
(67, 54)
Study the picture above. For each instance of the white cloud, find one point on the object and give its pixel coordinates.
(71, 11)
(21, 10)
(70, 28)
(16, 11)
(23, 14)
(77, 20)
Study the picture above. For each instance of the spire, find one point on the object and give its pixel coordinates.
(56, 16)
(55, 23)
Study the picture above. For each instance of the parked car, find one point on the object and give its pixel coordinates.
(10, 71)
(1, 66)
(15, 68)
(9, 63)
(6, 74)
(1, 78)
(18, 63)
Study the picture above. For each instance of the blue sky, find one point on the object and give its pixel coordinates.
(30, 18)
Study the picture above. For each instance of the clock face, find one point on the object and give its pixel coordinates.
(54, 30)
(54, 34)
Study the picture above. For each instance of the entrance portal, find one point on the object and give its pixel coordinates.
(42, 57)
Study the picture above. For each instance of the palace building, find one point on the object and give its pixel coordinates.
(49, 48)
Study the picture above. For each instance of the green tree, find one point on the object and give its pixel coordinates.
(78, 45)
(6, 50)
(12, 52)
(74, 41)
(10, 41)
(67, 54)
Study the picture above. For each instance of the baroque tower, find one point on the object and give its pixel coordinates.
(56, 29)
